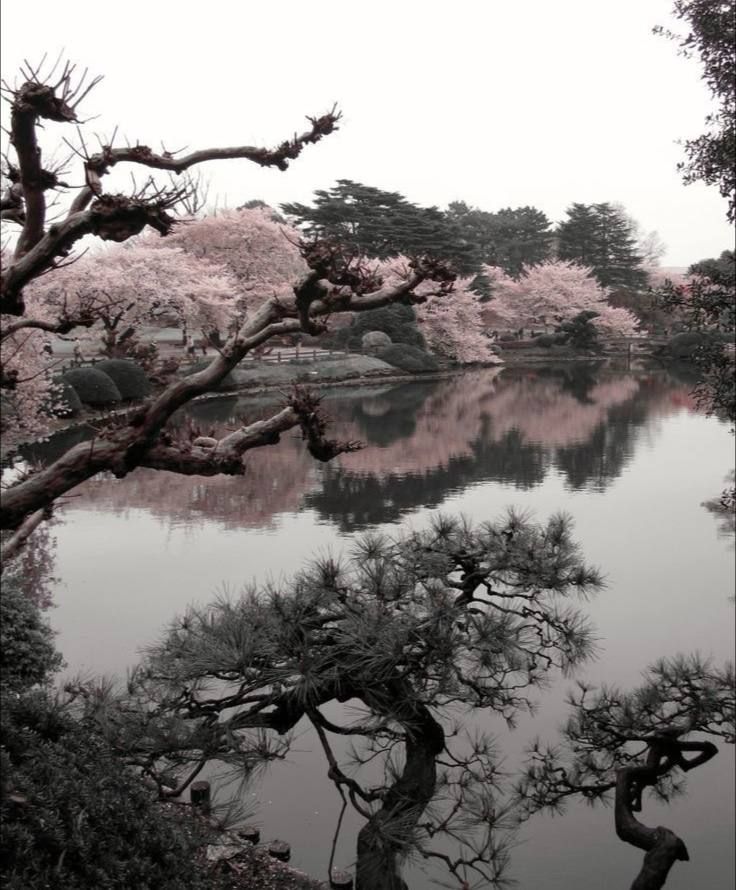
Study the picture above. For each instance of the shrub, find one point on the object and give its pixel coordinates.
(93, 387)
(66, 402)
(75, 817)
(686, 345)
(27, 654)
(580, 333)
(545, 340)
(129, 377)
(396, 321)
(408, 358)
(374, 341)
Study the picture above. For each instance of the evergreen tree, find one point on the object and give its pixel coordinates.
(509, 238)
(602, 237)
(522, 238)
(383, 224)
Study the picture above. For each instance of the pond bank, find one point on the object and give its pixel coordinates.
(357, 371)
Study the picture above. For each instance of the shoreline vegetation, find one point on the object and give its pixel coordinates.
(349, 370)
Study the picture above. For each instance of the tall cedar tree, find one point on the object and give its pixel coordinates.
(383, 224)
(601, 237)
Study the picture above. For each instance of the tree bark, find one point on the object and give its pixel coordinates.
(382, 840)
(663, 847)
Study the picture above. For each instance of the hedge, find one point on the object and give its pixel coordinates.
(93, 387)
(129, 377)
(407, 358)
(66, 401)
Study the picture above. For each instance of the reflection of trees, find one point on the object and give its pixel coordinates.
(274, 483)
(391, 416)
(447, 419)
(424, 441)
(512, 432)
(358, 500)
(545, 414)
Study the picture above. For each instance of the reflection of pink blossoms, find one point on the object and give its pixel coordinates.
(544, 414)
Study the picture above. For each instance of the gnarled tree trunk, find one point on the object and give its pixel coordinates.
(382, 840)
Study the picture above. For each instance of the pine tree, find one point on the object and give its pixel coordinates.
(510, 238)
(383, 224)
(602, 237)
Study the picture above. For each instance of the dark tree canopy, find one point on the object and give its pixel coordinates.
(510, 238)
(711, 157)
(602, 237)
(707, 305)
(382, 224)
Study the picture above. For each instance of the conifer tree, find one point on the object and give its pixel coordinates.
(602, 237)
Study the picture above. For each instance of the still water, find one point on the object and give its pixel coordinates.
(625, 454)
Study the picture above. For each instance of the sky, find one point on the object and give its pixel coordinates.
(494, 102)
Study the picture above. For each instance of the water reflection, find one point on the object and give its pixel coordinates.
(604, 446)
(425, 440)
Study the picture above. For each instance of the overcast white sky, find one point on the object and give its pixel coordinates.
(495, 102)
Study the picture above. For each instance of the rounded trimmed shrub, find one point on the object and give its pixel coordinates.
(373, 341)
(93, 387)
(408, 358)
(66, 402)
(545, 340)
(128, 376)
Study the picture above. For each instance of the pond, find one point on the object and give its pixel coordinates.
(626, 454)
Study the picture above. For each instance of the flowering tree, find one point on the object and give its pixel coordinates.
(123, 288)
(329, 282)
(555, 291)
(452, 327)
(259, 252)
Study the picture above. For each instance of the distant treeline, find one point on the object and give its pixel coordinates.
(382, 224)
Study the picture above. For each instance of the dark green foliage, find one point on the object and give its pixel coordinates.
(546, 340)
(720, 270)
(27, 654)
(93, 387)
(706, 308)
(685, 346)
(602, 237)
(510, 238)
(398, 321)
(383, 224)
(580, 333)
(712, 37)
(408, 358)
(227, 382)
(129, 377)
(74, 816)
(67, 401)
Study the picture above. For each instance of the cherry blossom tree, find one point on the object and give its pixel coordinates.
(260, 252)
(329, 283)
(453, 327)
(126, 287)
(555, 291)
